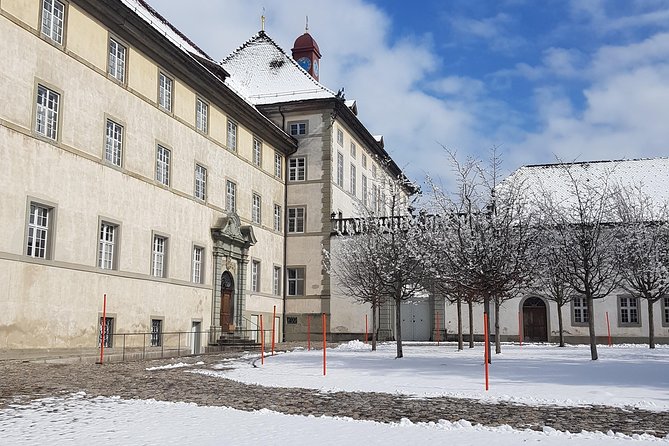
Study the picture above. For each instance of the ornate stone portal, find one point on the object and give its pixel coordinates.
(231, 257)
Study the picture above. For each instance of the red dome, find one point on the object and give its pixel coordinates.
(306, 42)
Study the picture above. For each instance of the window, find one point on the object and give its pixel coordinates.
(256, 207)
(665, 313)
(200, 182)
(629, 310)
(197, 264)
(40, 223)
(257, 152)
(580, 306)
(298, 128)
(340, 169)
(201, 115)
(364, 161)
(374, 171)
(295, 219)
(165, 87)
(277, 217)
(230, 196)
(114, 143)
(107, 246)
(375, 198)
(47, 112)
(277, 165)
(353, 150)
(297, 168)
(295, 281)
(109, 332)
(158, 263)
(255, 276)
(363, 189)
(163, 165)
(232, 135)
(156, 332)
(340, 137)
(117, 58)
(353, 175)
(276, 281)
(53, 15)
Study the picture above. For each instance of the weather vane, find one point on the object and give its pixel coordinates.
(262, 19)
(306, 27)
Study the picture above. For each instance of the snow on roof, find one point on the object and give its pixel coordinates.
(651, 174)
(262, 72)
(153, 18)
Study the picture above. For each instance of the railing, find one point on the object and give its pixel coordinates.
(152, 345)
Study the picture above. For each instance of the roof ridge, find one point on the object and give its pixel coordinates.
(595, 162)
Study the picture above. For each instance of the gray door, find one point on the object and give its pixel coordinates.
(196, 336)
(416, 322)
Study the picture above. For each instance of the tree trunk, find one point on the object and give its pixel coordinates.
(591, 328)
(398, 326)
(470, 304)
(560, 325)
(651, 325)
(498, 343)
(486, 310)
(374, 310)
(460, 341)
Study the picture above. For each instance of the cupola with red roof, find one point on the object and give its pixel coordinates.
(306, 53)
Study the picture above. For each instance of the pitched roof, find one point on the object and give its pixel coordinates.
(651, 174)
(262, 72)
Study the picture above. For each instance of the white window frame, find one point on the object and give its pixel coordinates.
(579, 312)
(353, 150)
(363, 160)
(156, 332)
(116, 61)
(295, 281)
(340, 169)
(163, 155)
(165, 91)
(201, 115)
(278, 165)
(340, 137)
(46, 116)
(665, 311)
(277, 218)
(109, 331)
(363, 189)
(628, 311)
(256, 208)
(40, 229)
(107, 243)
(114, 143)
(53, 20)
(200, 191)
(297, 169)
(255, 276)
(198, 263)
(230, 196)
(159, 256)
(353, 179)
(231, 135)
(257, 152)
(297, 128)
(276, 281)
(296, 219)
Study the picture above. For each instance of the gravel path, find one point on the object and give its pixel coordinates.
(21, 382)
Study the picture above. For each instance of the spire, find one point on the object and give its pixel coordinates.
(262, 19)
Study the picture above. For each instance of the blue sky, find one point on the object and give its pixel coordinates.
(572, 79)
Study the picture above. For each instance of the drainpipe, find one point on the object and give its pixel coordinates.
(284, 209)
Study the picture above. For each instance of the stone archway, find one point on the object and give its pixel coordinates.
(227, 302)
(535, 320)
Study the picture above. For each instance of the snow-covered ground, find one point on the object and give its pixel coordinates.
(532, 374)
(624, 375)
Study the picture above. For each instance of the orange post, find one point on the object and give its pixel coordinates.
(324, 344)
(608, 326)
(273, 327)
(485, 348)
(262, 343)
(104, 325)
(520, 328)
(308, 332)
(438, 334)
(365, 329)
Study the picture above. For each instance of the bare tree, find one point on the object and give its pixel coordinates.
(643, 249)
(580, 214)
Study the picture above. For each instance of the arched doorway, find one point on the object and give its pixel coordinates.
(227, 302)
(535, 320)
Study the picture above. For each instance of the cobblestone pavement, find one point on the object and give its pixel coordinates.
(22, 381)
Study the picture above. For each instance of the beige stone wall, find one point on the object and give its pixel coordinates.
(55, 302)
